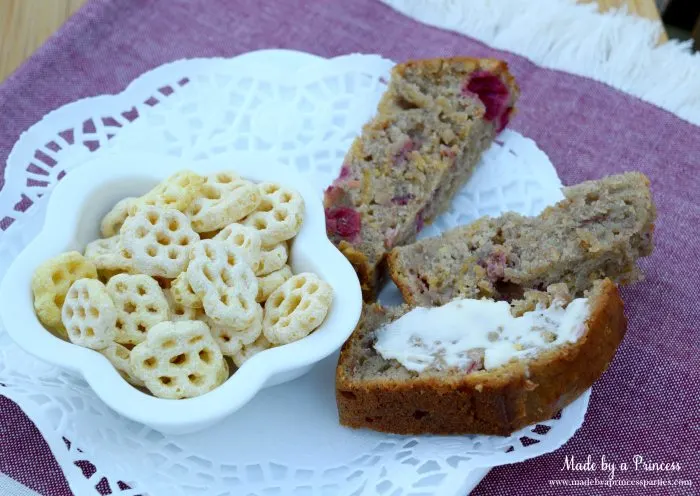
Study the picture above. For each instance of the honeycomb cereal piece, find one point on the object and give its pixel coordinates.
(140, 304)
(270, 282)
(248, 351)
(232, 306)
(245, 238)
(223, 373)
(224, 198)
(50, 283)
(272, 258)
(279, 215)
(178, 311)
(112, 222)
(179, 360)
(177, 192)
(119, 355)
(296, 308)
(219, 273)
(109, 257)
(89, 315)
(159, 240)
(182, 292)
(231, 341)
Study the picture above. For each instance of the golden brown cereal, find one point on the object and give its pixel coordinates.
(179, 360)
(296, 308)
(50, 283)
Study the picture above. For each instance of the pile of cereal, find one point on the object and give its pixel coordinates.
(190, 273)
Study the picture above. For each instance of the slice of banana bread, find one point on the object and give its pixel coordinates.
(598, 230)
(383, 395)
(434, 121)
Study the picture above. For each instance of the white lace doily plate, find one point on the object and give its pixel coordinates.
(302, 111)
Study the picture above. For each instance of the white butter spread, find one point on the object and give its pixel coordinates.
(471, 334)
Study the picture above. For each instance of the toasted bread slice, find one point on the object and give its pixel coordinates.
(382, 395)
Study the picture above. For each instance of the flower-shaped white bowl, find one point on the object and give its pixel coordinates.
(75, 209)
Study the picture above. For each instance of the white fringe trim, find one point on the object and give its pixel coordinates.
(613, 47)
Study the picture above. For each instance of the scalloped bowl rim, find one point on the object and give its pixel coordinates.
(311, 249)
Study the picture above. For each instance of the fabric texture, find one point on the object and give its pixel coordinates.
(646, 404)
(10, 487)
(25, 456)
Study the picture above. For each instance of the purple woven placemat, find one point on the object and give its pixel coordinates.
(646, 404)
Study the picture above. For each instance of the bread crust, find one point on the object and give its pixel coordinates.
(400, 279)
(496, 402)
(436, 65)
(365, 272)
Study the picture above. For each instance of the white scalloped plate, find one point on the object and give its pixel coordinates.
(303, 111)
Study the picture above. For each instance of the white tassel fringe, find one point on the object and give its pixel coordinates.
(612, 47)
